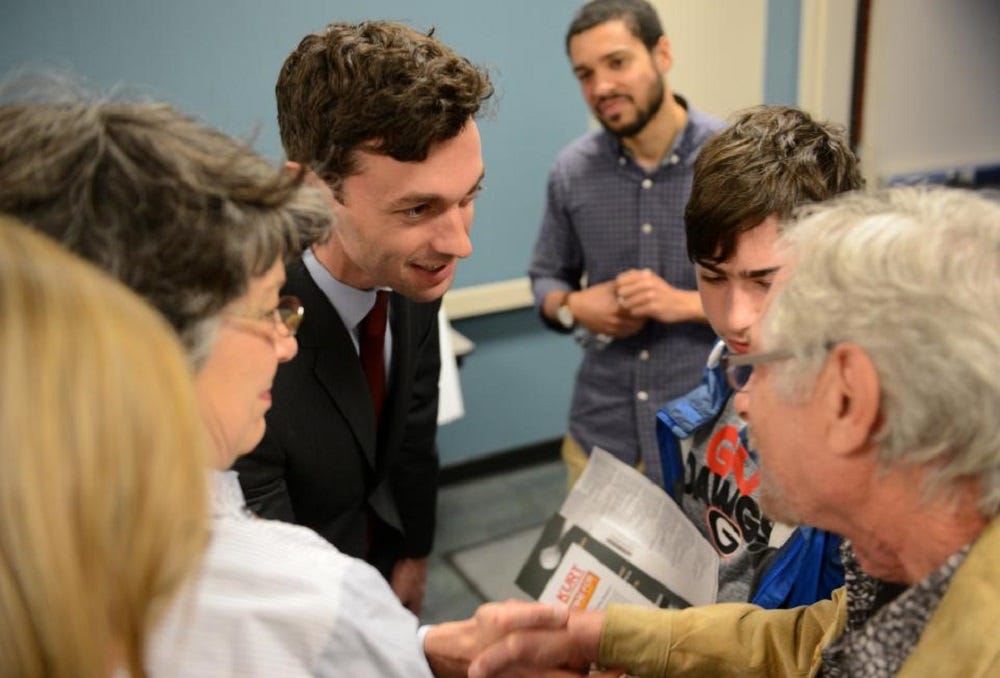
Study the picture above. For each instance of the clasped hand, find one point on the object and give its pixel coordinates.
(646, 295)
(621, 307)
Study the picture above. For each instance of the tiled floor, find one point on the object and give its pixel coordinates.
(483, 536)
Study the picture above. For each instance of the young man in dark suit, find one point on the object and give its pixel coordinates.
(384, 118)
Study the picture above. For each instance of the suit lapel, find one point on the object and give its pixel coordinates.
(337, 367)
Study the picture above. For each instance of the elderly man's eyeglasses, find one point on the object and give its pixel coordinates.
(286, 316)
(738, 368)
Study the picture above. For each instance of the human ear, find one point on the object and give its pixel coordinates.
(663, 54)
(311, 179)
(853, 399)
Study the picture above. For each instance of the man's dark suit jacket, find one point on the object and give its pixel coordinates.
(320, 460)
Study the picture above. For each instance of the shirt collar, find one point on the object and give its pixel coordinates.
(884, 621)
(351, 304)
(684, 147)
(227, 495)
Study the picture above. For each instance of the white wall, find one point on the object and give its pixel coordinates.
(933, 87)
(826, 59)
(718, 51)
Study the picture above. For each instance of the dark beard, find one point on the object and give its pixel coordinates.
(643, 116)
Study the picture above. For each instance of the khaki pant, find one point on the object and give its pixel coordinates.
(576, 460)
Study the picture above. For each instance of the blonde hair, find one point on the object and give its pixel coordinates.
(104, 461)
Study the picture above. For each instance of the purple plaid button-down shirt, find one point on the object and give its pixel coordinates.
(605, 214)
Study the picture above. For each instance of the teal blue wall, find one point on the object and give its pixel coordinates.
(516, 386)
(218, 59)
(781, 65)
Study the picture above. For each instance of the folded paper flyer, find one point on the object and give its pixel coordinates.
(619, 538)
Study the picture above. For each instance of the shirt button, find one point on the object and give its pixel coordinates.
(644, 355)
(647, 183)
(642, 395)
(674, 159)
(621, 160)
(647, 228)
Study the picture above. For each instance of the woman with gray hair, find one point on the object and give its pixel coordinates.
(192, 220)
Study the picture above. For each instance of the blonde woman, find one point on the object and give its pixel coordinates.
(103, 455)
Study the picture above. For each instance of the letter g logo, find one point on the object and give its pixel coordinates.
(724, 533)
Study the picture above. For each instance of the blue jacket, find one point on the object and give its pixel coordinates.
(807, 567)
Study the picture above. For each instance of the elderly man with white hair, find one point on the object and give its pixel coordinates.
(875, 405)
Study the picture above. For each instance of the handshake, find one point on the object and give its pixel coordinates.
(517, 638)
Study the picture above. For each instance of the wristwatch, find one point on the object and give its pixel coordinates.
(564, 316)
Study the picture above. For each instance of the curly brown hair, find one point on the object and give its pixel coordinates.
(376, 86)
(770, 160)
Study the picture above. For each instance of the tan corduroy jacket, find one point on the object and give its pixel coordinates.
(736, 639)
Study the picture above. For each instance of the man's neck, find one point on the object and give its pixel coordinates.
(331, 255)
(652, 144)
(920, 531)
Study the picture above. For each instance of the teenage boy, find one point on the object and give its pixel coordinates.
(747, 179)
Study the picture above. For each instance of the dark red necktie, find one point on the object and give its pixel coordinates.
(371, 338)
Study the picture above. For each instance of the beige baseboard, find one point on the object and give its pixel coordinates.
(496, 297)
